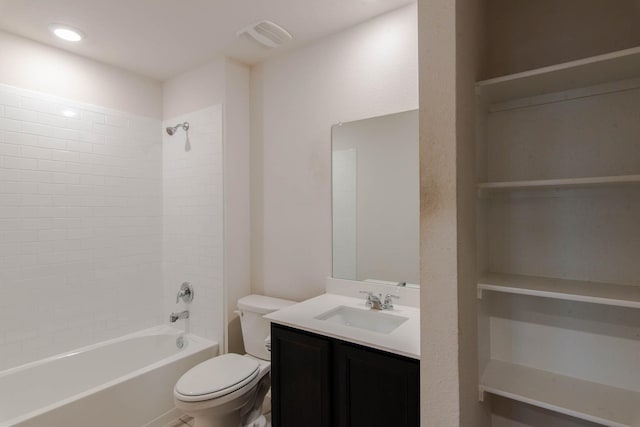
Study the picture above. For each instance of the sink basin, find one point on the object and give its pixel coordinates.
(371, 320)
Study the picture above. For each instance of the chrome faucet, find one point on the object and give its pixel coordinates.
(388, 302)
(375, 302)
(175, 316)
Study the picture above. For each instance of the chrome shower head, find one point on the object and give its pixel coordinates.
(172, 130)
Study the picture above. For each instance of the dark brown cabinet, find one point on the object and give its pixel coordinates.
(324, 382)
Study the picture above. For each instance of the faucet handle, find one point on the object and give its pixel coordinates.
(370, 295)
(185, 292)
(388, 302)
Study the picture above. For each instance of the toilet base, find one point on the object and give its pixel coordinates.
(233, 413)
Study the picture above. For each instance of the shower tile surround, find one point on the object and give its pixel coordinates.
(193, 223)
(80, 225)
(87, 206)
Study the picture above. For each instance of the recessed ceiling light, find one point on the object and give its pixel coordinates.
(66, 33)
(69, 113)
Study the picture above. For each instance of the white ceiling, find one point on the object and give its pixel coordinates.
(162, 38)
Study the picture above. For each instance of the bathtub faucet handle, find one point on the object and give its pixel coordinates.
(185, 292)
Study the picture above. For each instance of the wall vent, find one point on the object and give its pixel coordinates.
(267, 33)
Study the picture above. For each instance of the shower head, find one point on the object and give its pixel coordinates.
(172, 130)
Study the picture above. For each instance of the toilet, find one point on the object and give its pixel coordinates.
(229, 390)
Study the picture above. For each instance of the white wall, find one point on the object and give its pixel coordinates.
(450, 44)
(192, 220)
(31, 65)
(194, 90)
(368, 70)
(80, 225)
(224, 82)
(237, 196)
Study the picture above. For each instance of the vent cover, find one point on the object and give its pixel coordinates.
(267, 33)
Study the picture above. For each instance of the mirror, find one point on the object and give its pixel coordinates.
(376, 198)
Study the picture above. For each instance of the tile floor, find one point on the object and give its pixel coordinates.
(188, 421)
(181, 422)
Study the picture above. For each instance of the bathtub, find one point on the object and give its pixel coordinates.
(123, 382)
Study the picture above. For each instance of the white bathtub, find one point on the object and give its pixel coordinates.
(123, 382)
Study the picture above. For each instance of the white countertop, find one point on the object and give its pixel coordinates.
(405, 340)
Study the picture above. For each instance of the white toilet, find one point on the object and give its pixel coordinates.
(228, 390)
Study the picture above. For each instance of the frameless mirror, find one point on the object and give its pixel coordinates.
(375, 195)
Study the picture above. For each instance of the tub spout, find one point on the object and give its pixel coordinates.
(175, 316)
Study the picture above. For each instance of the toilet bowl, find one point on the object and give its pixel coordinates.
(229, 390)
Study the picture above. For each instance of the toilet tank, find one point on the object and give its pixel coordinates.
(255, 328)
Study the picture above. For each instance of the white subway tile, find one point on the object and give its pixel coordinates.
(10, 125)
(9, 225)
(18, 138)
(80, 218)
(78, 146)
(36, 129)
(9, 99)
(65, 178)
(52, 189)
(17, 236)
(118, 121)
(78, 168)
(56, 120)
(36, 200)
(68, 156)
(35, 152)
(20, 163)
(9, 149)
(92, 117)
(52, 166)
(66, 133)
(51, 234)
(92, 179)
(35, 176)
(20, 114)
(36, 223)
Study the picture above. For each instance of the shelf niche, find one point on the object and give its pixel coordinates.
(573, 126)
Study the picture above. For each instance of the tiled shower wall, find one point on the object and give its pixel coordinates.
(193, 223)
(80, 225)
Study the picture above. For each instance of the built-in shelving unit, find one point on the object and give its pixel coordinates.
(597, 181)
(572, 396)
(570, 290)
(592, 71)
(576, 121)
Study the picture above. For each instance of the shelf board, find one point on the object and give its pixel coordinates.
(571, 290)
(596, 181)
(567, 395)
(591, 71)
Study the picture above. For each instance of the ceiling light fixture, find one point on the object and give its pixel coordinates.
(66, 33)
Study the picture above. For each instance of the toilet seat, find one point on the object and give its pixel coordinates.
(216, 377)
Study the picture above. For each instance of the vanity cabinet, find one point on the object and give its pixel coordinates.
(321, 381)
(300, 378)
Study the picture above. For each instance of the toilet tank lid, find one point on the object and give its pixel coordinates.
(262, 304)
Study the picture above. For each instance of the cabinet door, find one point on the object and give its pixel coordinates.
(374, 388)
(300, 375)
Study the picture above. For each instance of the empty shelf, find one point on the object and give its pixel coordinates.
(591, 71)
(596, 181)
(572, 290)
(572, 396)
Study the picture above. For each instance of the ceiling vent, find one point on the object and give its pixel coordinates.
(267, 33)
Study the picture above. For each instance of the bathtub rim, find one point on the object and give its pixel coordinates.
(201, 344)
